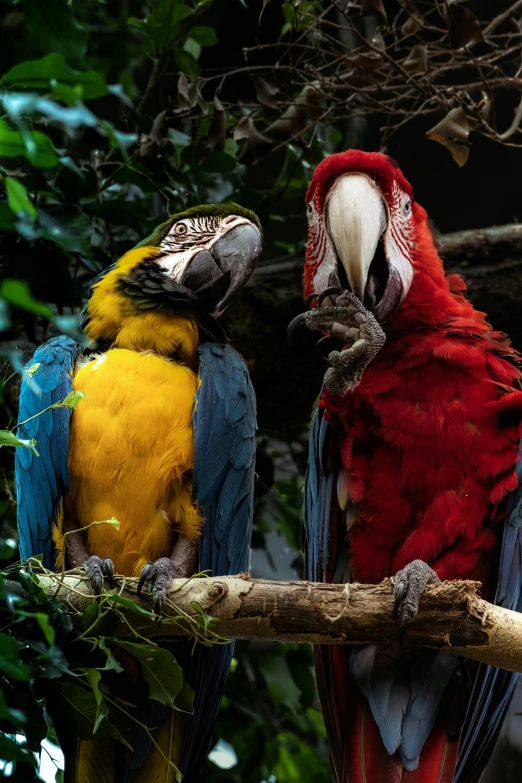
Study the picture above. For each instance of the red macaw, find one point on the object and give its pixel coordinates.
(412, 473)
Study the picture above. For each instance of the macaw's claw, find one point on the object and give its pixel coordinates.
(357, 327)
(158, 575)
(333, 292)
(97, 568)
(408, 589)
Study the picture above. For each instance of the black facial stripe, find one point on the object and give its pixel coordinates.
(176, 243)
(200, 230)
(148, 288)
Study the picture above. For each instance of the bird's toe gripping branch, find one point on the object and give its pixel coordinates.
(97, 568)
(158, 575)
(409, 586)
(352, 323)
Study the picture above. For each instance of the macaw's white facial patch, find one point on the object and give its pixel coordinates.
(190, 236)
(363, 241)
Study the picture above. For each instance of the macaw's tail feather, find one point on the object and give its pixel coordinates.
(366, 760)
(151, 756)
(88, 761)
(99, 761)
(437, 761)
(156, 768)
(357, 751)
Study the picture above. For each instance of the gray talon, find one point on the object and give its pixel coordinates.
(159, 574)
(145, 576)
(96, 569)
(408, 588)
(107, 567)
(332, 290)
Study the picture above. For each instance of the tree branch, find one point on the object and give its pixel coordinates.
(451, 616)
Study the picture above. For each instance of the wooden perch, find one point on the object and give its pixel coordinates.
(451, 615)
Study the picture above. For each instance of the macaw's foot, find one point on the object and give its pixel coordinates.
(159, 575)
(408, 589)
(96, 569)
(181, 564)
(353, 324)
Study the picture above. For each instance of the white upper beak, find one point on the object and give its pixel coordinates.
(355, 220)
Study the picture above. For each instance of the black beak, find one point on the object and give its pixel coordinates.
(218, 274)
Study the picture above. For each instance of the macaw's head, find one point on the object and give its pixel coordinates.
(366, 233)
(192, 266)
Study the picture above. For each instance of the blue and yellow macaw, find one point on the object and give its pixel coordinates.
(164, 442)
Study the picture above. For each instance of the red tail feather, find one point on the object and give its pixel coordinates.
(358, 753)
(438, 759)
(366, 760)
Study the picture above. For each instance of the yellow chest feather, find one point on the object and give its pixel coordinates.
(131, 455)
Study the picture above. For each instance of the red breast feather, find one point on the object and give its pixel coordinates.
(430, 437)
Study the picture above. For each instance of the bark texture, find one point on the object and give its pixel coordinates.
(451, 615)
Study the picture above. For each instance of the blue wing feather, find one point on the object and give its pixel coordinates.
(319, 493)
(42, 481)
(224, 469)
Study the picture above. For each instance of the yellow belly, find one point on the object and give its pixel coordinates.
(131, 456)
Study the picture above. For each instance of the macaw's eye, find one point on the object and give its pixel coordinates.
(407, 208)
(310, 209)
(180, 229)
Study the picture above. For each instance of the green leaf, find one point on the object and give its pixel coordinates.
(16, 292)
(202, 618)
(112, 663)
(32, 369)
(73, 235)
(113, 521)
(301, 670)
(274, 668)
(10, 663)
(36, 146)
(204, 36)
(17, 197)
(118, 139)
(7, 220)
(47, 629)
(119, 212)
(160, 669)
(90, 614)
(93, 678)
(51, 663)
(8, 438)
(78, 706)
(53, 28)
(65, 93)
(130, 605)
(72, 400)
(192, 47)
(104, 625)
(185, 698)
(31, 585)
(186, 63)
(52, 71)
